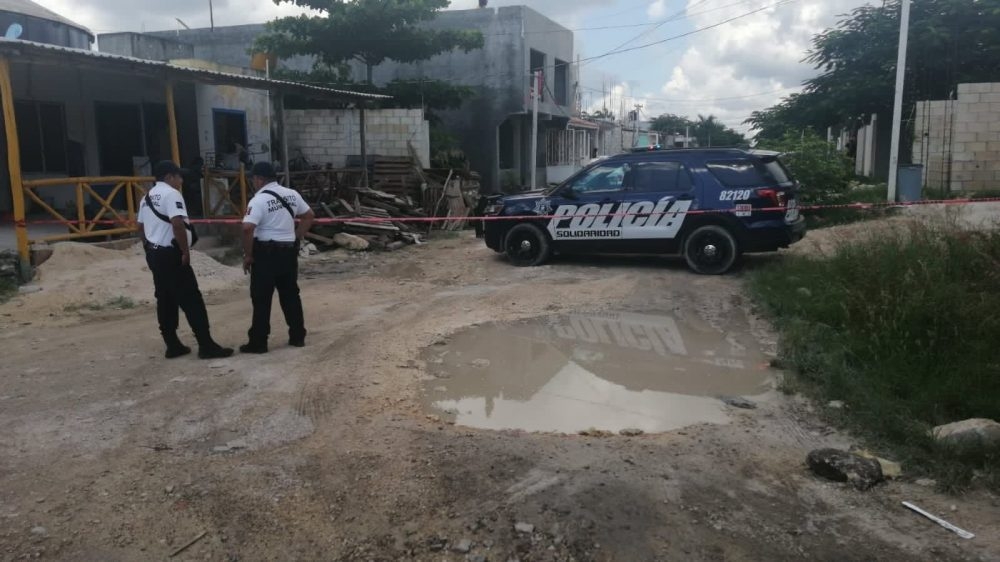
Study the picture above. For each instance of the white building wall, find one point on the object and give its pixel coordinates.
(254, 103)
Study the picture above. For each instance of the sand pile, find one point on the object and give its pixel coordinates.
(81, 277)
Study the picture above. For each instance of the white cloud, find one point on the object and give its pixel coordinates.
(103, 16)
(657, 9)
(745, 65)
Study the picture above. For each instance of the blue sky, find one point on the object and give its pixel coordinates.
(727, 71)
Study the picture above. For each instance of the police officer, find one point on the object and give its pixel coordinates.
(271, 256)
(167, 237)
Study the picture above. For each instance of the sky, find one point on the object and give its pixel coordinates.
(728, 70)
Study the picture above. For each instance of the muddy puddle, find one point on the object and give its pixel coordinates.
(607, 371)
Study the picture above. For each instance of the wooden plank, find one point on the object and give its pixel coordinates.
(371, 226)
(321, 239)
(328, 210)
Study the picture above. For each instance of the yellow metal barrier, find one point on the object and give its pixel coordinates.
(83, 226)
(232, 190)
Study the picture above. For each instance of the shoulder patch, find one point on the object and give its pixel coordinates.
(180, 205)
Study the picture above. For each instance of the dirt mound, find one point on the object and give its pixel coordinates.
(973, 216)
(82, 277)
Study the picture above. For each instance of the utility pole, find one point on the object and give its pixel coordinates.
(687, 136)
(536, 90)
(211, 15)
(897, 108)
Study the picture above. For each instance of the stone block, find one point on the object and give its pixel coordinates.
(982, 88)
(987, 137)
(976, 146)
(977, 127)
(980, 107)
(995, 87)
(964, 89)
(957, 185)
(963, 157)
(971, 98)
(965, 137)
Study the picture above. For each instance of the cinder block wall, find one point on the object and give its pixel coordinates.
(331, 135)
(966, 130)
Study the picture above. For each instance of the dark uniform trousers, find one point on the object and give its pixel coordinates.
(176, 287)
(275, 266)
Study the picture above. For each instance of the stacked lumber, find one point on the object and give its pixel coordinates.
(396, 176)
(362, 203)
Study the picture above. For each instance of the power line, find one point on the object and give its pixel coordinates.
(707, 99)
(676, 16)
(688, 34)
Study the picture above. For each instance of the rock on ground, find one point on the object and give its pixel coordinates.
(841, 466)
(974, 433)
(351, 242)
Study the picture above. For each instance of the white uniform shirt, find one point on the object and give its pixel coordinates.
(274, 222)
(169, 202)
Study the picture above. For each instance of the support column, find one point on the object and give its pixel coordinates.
(14, 167)
(283, 131)
(364, 148)
(175, 147)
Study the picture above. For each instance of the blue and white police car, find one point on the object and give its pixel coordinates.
(708, 205)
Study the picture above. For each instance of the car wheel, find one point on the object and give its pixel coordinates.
(710, 250)
(527, 245)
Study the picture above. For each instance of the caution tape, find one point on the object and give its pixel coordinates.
(431, 220)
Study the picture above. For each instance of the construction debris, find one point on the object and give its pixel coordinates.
(366, 217)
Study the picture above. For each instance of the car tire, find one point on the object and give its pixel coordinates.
(711, 250)
(526, 245)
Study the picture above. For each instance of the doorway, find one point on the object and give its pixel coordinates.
(119, 137)
(230, 128)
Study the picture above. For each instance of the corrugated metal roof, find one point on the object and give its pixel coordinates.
(28, 51)
(29, 8)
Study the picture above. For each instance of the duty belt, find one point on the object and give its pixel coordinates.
(274, 244)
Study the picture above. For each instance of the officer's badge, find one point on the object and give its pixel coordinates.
(543, 207)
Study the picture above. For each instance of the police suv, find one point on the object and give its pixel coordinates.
(710, 205)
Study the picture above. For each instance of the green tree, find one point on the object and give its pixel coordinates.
(824, 173)
(367, 31)
(951, 42)
(670, 124)
(708, 130)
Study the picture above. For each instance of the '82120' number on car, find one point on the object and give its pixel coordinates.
(736, 195)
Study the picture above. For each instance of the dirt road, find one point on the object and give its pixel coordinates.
(373, 444)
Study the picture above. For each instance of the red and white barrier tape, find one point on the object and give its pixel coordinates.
(404, 220)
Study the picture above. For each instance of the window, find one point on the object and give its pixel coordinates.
(538, 65)
(776, 170)
(41, 130)
(562, 83)
(747, 173)
(737, 173)
(603, 178)
(661, 177)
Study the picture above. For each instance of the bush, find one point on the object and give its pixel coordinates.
(903, 327)
(825, 173)
(7, 290)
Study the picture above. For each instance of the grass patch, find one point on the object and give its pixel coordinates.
(903, 327)
(7, 290)
(822, 218)
(117, 303)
